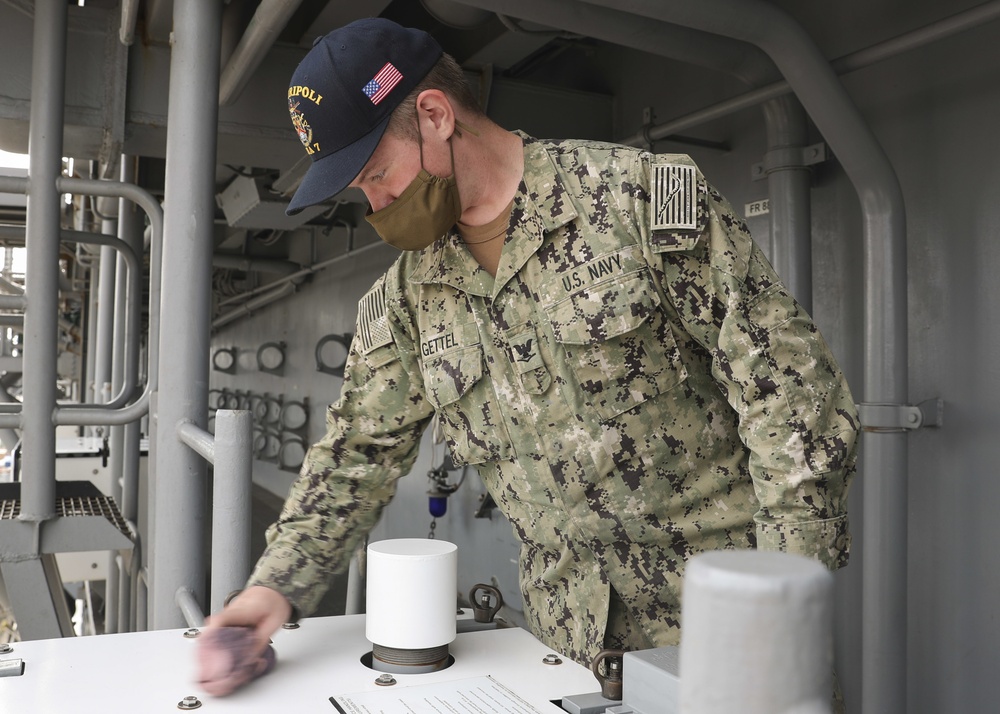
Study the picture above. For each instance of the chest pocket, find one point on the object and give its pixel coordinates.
(618, 341)
(453, 372)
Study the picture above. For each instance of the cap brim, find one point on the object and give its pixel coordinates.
(331, 174)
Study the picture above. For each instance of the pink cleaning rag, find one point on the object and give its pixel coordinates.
(226, 661)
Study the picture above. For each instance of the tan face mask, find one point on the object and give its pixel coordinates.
(424, 212)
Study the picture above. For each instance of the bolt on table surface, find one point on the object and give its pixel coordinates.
(155, 671)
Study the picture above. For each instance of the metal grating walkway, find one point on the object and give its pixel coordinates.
(73, 499)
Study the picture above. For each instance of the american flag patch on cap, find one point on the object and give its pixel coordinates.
(675, 197)
(382, 83)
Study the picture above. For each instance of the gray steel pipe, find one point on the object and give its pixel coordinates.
(94, 415)
(177, 504)
(788, 185)
(48, 91)
(12, 302)
(10, 288)
(301, 274)
(884, 457)
(118, 605)
(8, 437)
(267, 23)
(232, 490)
(201, 441)
(130, 228)
(247, 308)
(130, 13)
(188, 607)
(230, 452)
(261, 265)
(105, 317)
(130, 320)
(848, 63)
(648, 34)
(155, 214)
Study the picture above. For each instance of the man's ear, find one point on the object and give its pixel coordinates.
(435, 114)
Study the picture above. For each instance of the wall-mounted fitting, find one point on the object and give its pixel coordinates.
(901, 417)
(291, 454)
(266, 446)
(294, 416)
(268, 411)
(789, 157)
(271, 357)
(331, 353)
(224, 360)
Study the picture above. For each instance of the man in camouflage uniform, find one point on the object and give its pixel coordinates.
(597, 333)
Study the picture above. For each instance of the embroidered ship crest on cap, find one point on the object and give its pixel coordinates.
(302, 127)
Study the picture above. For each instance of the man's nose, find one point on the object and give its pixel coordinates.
(378, 199)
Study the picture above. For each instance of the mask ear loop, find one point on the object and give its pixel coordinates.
(420, 137)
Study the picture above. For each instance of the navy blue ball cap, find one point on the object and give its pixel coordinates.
(342, 95)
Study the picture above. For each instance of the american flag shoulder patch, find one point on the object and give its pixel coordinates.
(373, 325)
(674, 198)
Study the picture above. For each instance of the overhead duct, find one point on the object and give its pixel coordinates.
(456, 14)
(265, 26)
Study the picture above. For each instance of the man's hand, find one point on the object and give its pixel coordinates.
(260, 608)
(233, 649)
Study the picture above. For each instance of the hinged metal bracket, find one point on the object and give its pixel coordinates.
(901, 417)
(788, 157)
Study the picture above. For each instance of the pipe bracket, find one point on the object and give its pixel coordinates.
(901, 417)
(789, 157)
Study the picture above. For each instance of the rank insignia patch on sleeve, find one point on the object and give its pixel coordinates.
(675, 197)
(373, 325)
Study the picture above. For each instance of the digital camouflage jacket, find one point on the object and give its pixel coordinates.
(635, 386)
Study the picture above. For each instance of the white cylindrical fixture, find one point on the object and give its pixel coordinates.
(756, 634)
(412, 593)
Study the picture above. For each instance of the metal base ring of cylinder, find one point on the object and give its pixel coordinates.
(407, 661)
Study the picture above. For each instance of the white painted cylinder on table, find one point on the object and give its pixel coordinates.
(412, 593)
(756, 634)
